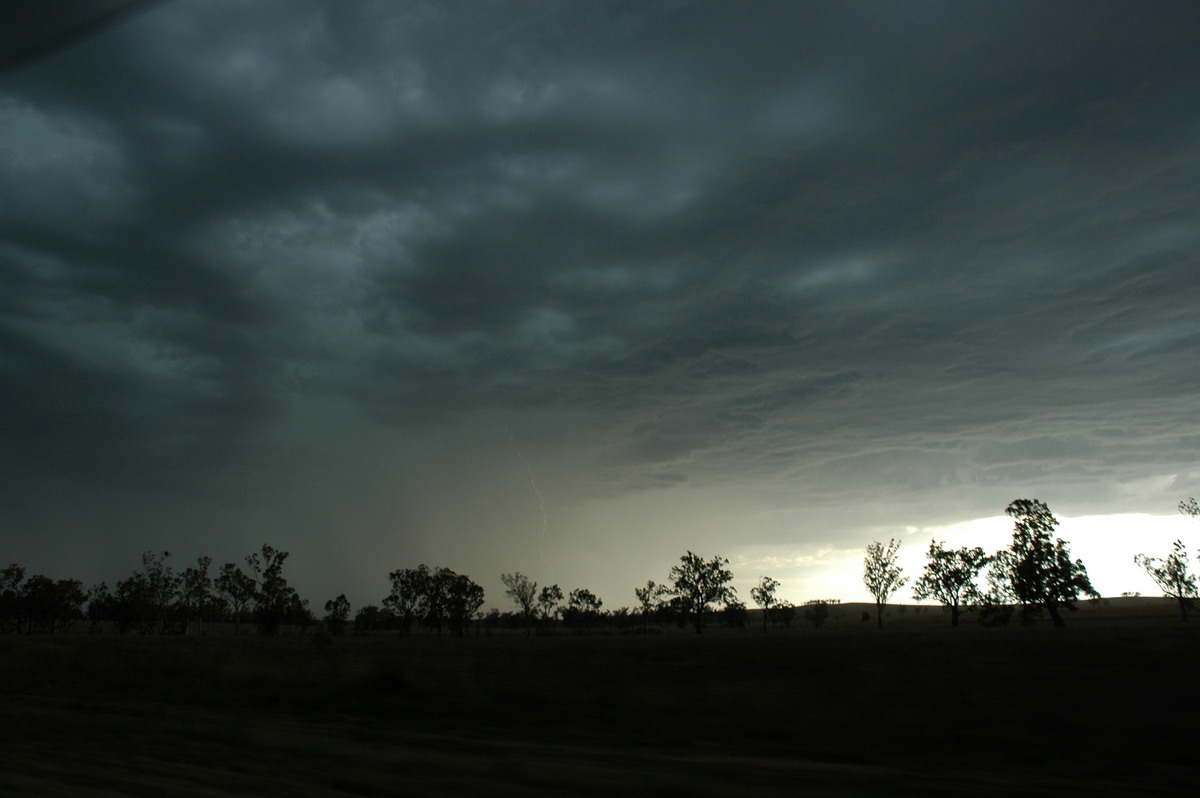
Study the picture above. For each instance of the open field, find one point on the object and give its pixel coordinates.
(1103, 707)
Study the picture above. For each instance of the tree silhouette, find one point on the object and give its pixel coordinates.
(238, 589)
(437, 597)
(523, 590)
(950, 578)
(699, 584)
(162, 587)
(100, 605)
(650, 598)
(734, 614)
(132, 607)
(764, 596)
(276, 602)
(1040, 571)
(548, 601)
(49, 605)
(881, 575)
(147, 599)
(196, 593)
(583, 608)
(1172, 575)
(10, 597)
(459, 597)
(337, 614)
(410, 588)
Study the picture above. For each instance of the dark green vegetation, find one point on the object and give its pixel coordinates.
(1100, 708)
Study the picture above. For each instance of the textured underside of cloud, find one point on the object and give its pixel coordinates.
(838, 256)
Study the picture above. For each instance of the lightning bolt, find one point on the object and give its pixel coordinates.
(541, 504)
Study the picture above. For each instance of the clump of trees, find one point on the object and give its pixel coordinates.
(949, 578)
(1035, 573)
(436, 597)
(157, 598)
(701, 584)
(1038, 569)
(237, 589)
(38, 604)
(583, 609)
(276, 602)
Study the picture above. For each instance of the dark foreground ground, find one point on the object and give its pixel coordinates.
(1105, 707)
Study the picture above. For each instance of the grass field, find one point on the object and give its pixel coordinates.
(1103, 707)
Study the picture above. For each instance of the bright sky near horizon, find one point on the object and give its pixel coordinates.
(571, 288)
(1106, 545)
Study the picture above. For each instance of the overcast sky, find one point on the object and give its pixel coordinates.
(571, 288)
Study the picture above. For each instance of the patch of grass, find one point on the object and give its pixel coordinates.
(1099, 708)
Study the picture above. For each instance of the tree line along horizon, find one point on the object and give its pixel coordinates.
(1035, 574)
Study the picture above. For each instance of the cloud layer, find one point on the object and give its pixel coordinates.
(864, 262)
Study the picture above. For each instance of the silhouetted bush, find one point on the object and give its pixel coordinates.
(734, 615)
(994, 614)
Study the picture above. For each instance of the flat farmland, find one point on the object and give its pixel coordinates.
(1106, 706)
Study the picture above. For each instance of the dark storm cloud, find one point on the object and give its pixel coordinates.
(844, 248)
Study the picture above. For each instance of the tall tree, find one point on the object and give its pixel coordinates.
(450, 598)
(197, 587)
(1172, 575)
(1039, 569)
(162, 587)
(337, 614)
(522, 590)
(764, 596)
(699, 584)
(548, 602)
(238, 588)
(100, 605)
(10, 598)
(148, 599)
(950, 578)
(133, 606)
(460, 598)
(410, 591)
(881, 575)
(650, 598)
(275, 600)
